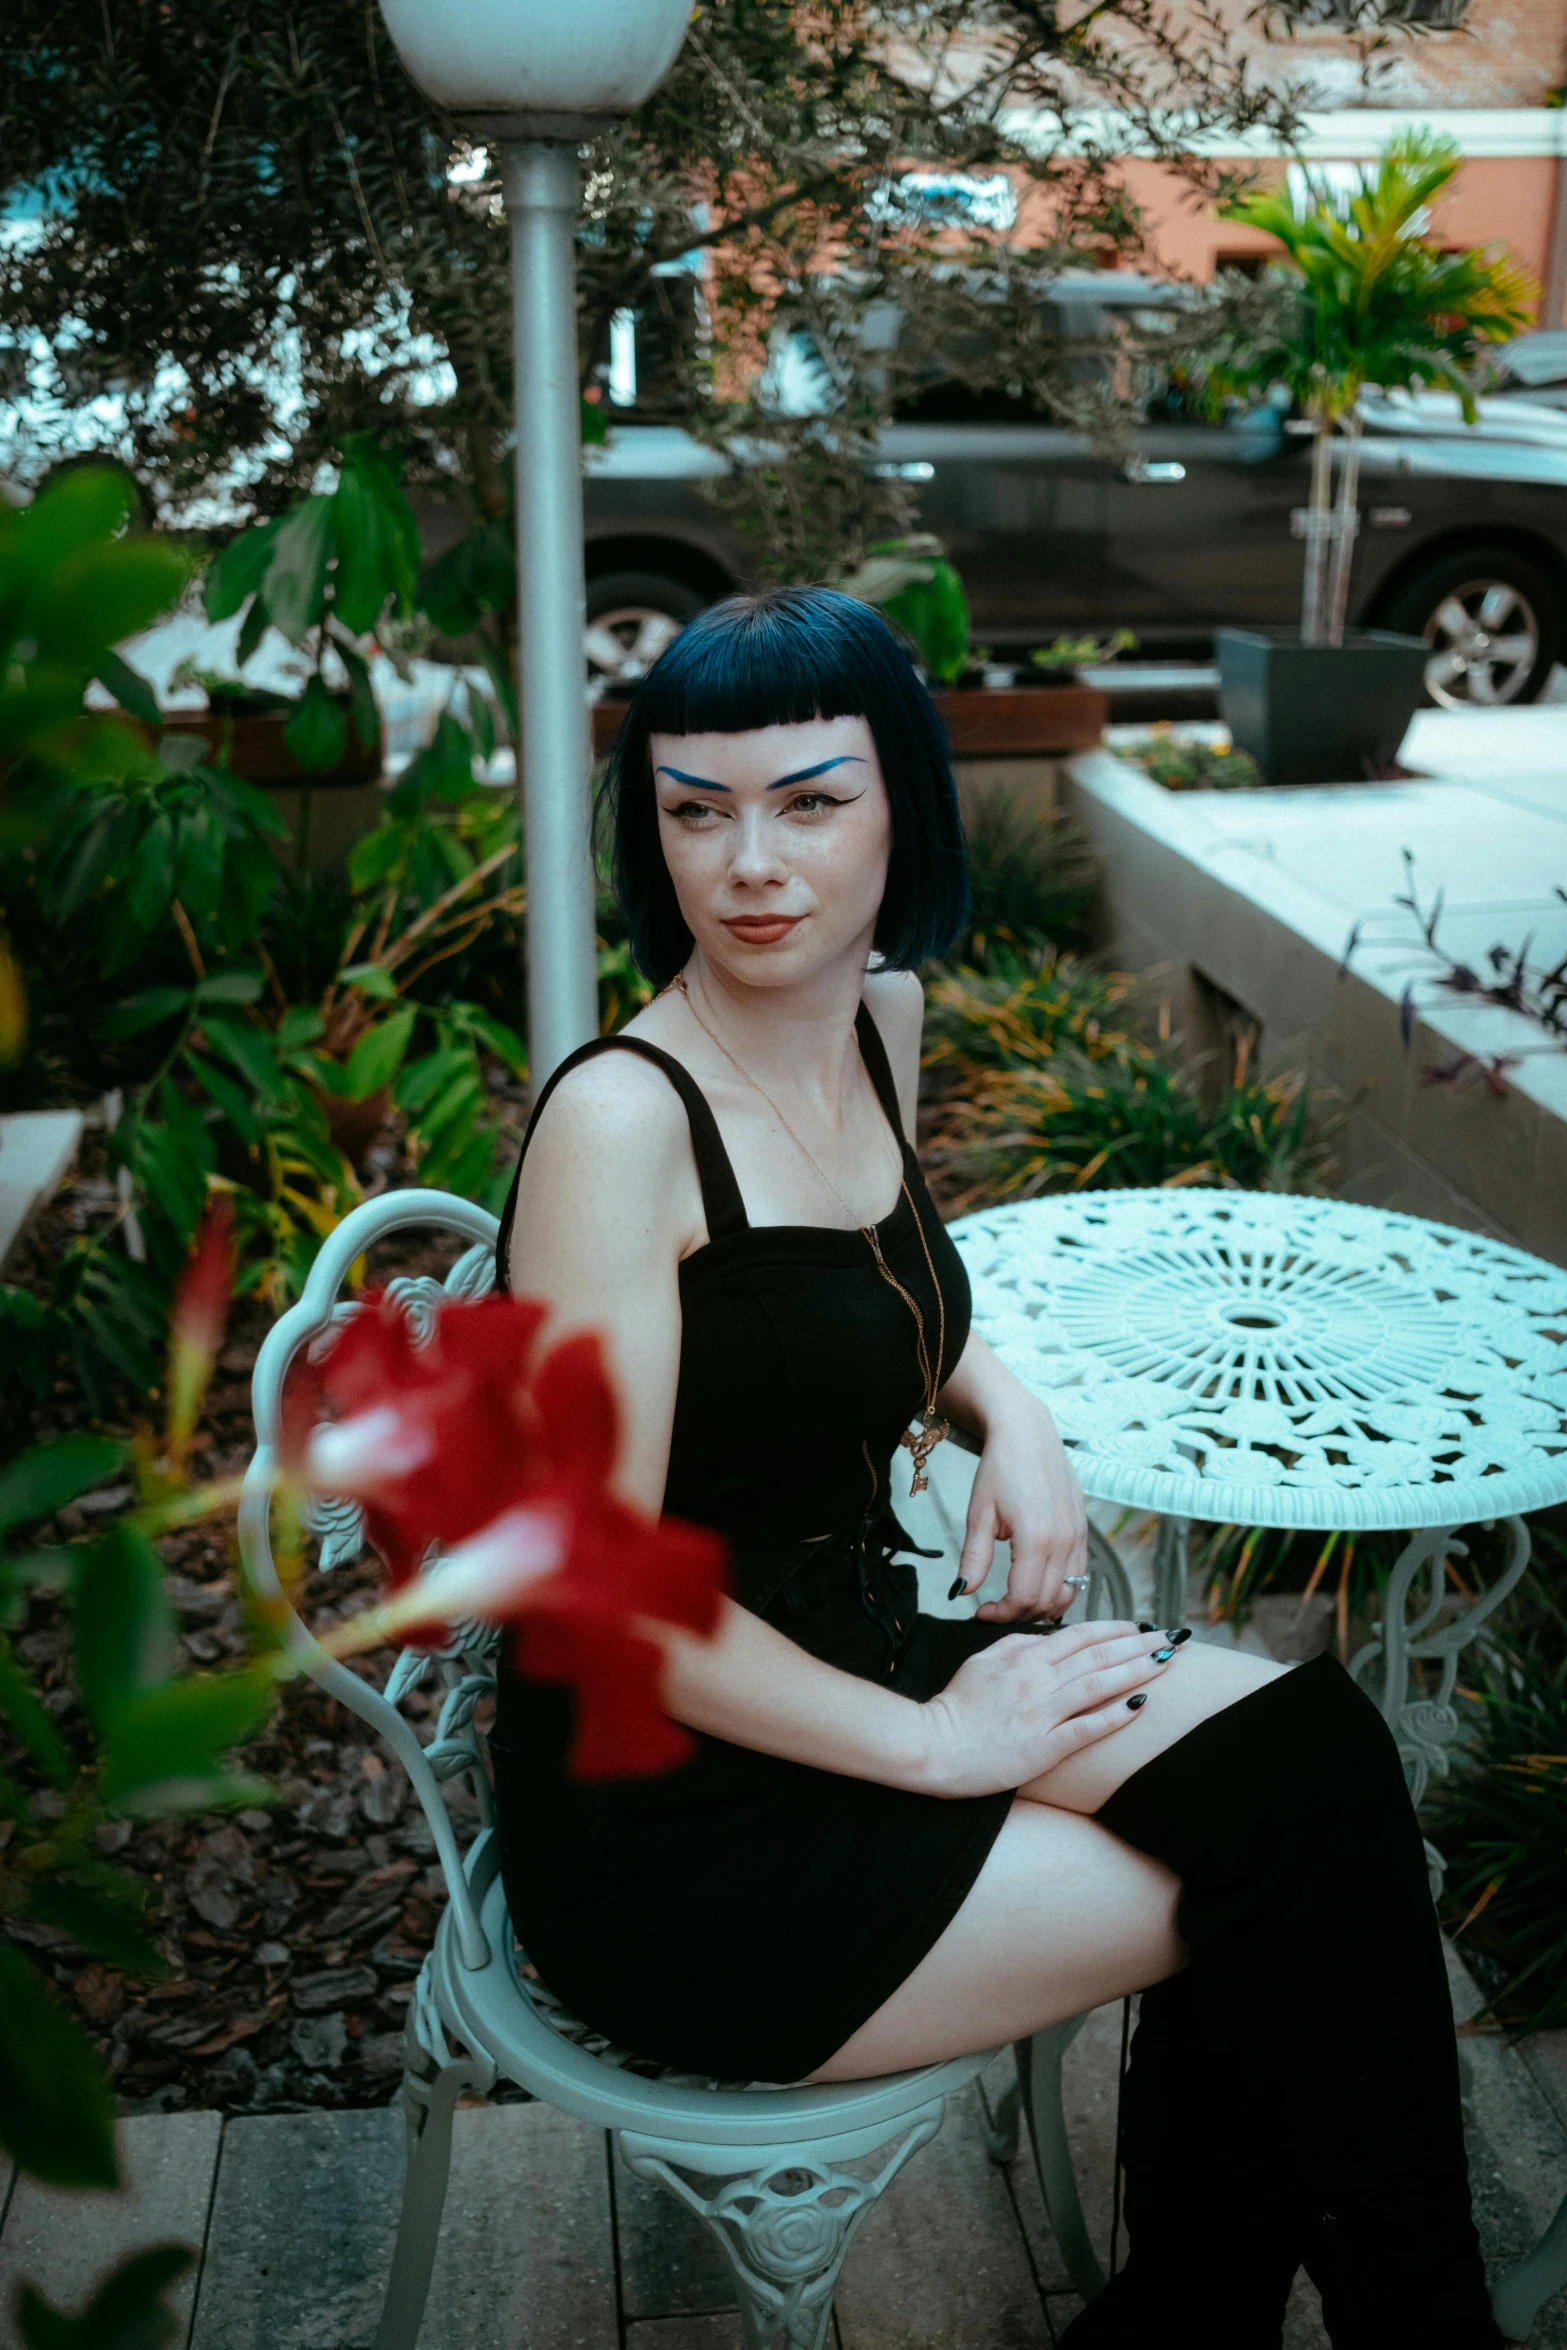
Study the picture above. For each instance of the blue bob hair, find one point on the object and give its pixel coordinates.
(778, 659)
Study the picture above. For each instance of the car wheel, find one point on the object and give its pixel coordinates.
(632, 616)
(1493, 623)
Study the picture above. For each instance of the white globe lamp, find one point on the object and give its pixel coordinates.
(536, 79)
(583, 58)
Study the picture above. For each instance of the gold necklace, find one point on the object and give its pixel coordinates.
(931, 1430)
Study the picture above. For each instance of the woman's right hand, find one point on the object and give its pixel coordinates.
(1025, 1704)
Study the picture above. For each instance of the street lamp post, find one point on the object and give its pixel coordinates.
(537, 80)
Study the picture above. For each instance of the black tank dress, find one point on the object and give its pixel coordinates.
(744, 1915)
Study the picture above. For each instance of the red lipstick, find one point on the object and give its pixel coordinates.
(761, 930)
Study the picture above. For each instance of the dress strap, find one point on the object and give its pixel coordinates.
(878, 1068)
(722, 1204)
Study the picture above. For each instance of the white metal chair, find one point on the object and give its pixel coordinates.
(782, 2177)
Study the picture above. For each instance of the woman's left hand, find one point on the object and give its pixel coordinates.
(1026, 1492)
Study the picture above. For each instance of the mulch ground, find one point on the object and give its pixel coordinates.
(292, 1933)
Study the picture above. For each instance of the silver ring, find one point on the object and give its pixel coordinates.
(1077, 1582)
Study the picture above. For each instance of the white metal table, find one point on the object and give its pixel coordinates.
(1260, 1359)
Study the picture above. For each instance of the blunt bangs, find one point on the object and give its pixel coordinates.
(780, 659)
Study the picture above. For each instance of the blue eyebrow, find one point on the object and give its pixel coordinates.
(801, 775)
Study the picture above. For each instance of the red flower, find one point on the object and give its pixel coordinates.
(201, 1299)
(465, 1444)
(196, 1324)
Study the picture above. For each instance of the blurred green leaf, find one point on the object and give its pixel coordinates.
(249, 1049)
(363, 709)
(296, 576)
(301, 1024)
(377, 857)
(127, 2312)
(317, 732)
(238, 572)
(251, 631)
(231, 1099)
(377, 537)
(475, 577)
(123, 1625)
(377, 1057)
(41, 1481)
(443, 770)
(129, 688)
(371, 979)
(21, 1706)
(165, 1748)
(56, 2110)
(105, 1926)
(149, 885)
(135, 1012)
(230, 987)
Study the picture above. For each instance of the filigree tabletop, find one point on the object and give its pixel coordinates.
(1276, 1361)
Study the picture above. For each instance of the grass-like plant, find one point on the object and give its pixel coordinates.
(1501, 1818)
(1032, 884)
(1042, 1082)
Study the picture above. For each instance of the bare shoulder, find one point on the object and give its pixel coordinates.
(897, 1005)
(615, 1110)
(896, 1002)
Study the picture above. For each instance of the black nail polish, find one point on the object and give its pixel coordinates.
(1177, 1637)
(1133, 1703)
(959, 1588)
(1162, 1656)
(1145, 1627)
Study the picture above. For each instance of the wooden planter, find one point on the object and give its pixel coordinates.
(253, 746)
(984, 722)
(1022, 721)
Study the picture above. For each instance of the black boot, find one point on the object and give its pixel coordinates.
(1214, 2222)
(1316, 1987)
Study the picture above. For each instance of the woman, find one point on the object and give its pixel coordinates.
(904, 1838)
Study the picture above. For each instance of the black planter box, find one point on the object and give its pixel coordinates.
(1320, 713)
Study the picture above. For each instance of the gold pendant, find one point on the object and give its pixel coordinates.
(922, 1446)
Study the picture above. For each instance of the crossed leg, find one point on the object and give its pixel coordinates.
(1063, 1916)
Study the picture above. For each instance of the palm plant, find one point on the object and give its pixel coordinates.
(1369, 300)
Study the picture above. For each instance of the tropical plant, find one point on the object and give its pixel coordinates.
(324, 575)
(1042, 1085)
(73, 583)
(912, 582)
(1367, 299)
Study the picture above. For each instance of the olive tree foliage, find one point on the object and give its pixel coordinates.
(249, 230)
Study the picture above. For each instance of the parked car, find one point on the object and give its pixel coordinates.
(1463, 540)
(1534, 367)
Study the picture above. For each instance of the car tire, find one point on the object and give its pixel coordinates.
(632, 615)
(1493, 620)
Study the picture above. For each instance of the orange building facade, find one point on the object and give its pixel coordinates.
(1495, 82)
